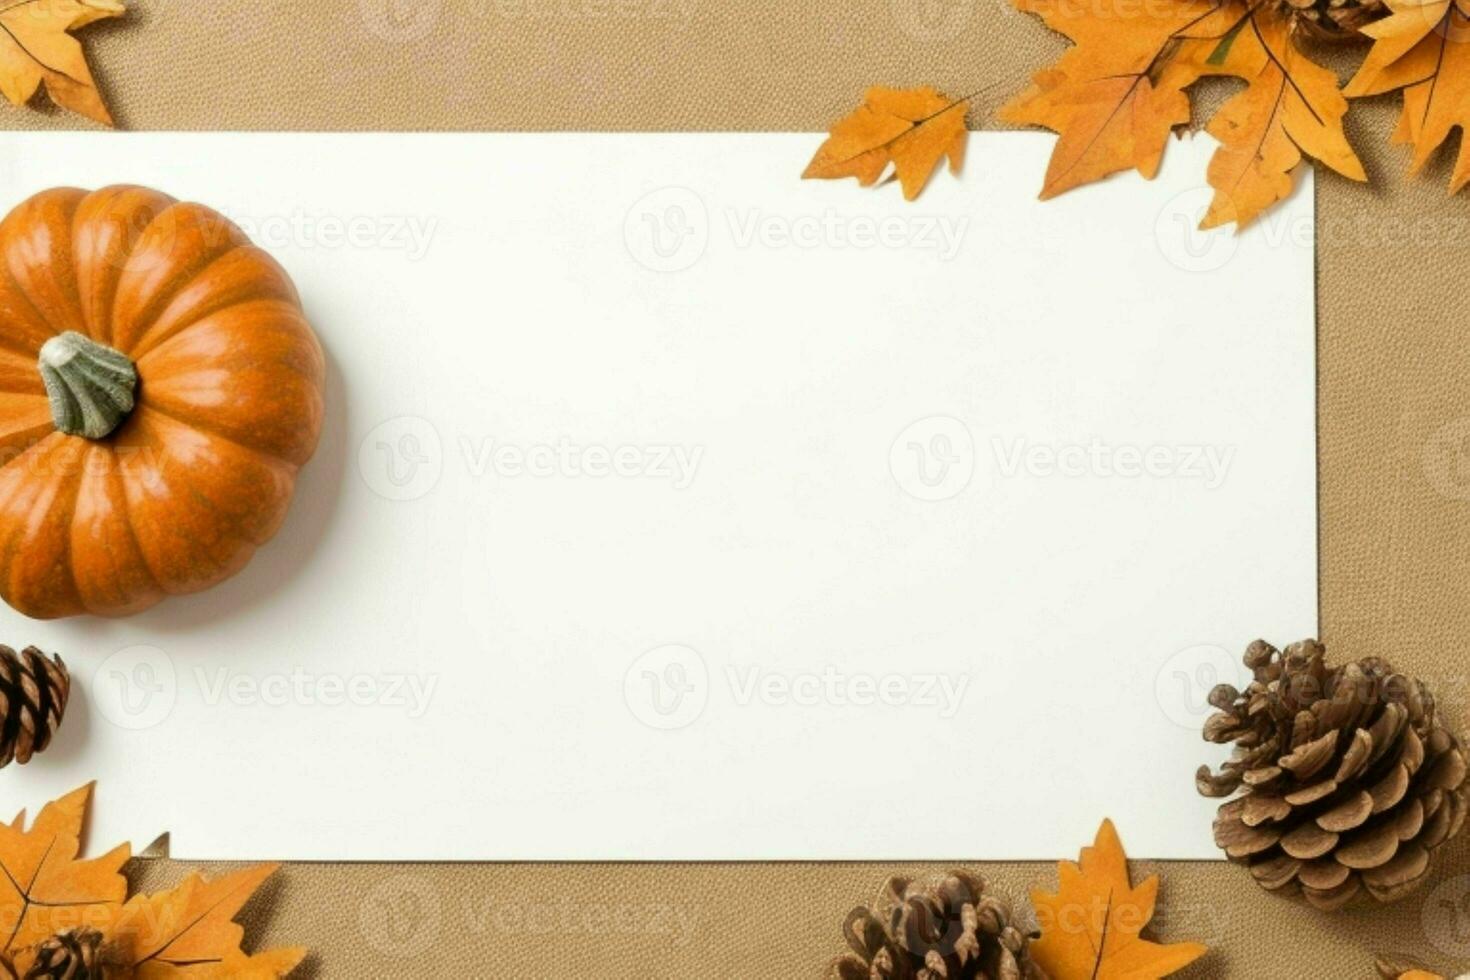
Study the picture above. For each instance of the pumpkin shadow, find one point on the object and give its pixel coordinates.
(313, 507)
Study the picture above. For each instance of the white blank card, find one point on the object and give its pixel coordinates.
(671, 507)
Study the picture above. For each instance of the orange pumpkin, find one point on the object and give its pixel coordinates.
(159, 390)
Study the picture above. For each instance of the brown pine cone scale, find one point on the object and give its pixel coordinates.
(33, 693)
(1335, 21)
(69, 955)
(1344, 780)
(955, 929)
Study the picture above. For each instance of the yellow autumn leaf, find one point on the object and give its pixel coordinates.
(1090, 928)
(1423, 49)
(181, 932)
(1114, 97)
(37, 48)
(185, 932)
(1401, 969)
(269, 965)
(44, 888)
(911, 129)
(1291, 107)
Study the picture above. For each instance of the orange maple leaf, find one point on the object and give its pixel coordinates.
(1115, 96)
(37, 48)
(1421, 50)
(43, 887)
(912, 129)
(1291, 107)
(190, 931)
(1090, 928)
(269, 965)
(1402, 969)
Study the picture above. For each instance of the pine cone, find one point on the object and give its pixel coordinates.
(1347, 777)
(1334, 20)
(33, 692)
(69, 955)
(953, 930)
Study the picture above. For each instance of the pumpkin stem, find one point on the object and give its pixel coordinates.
(90, 385)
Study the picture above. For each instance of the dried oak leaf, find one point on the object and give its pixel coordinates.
(37, 49)
(269, 965)
(1291, 107)
(1090, 929)
(190, 931)
(187, 931)
(1402, 969)
(912, 129)
(43, 887)
(1421, 50)
(1115, 96)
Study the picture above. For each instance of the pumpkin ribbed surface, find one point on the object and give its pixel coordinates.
(200, 471)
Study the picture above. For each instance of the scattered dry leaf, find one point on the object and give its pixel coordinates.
(1396, 973)
(262, 966)
(912, 129)
(43, 887)
(1114, 97)
(187, 931)
(1090, 929)
(174, 933)
(1421, 50)
(1291, 106)
(1405, 969)
(37, 49)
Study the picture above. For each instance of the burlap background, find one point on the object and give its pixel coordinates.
(1394, 450)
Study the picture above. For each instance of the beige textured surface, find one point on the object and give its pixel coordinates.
(1394, 419)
